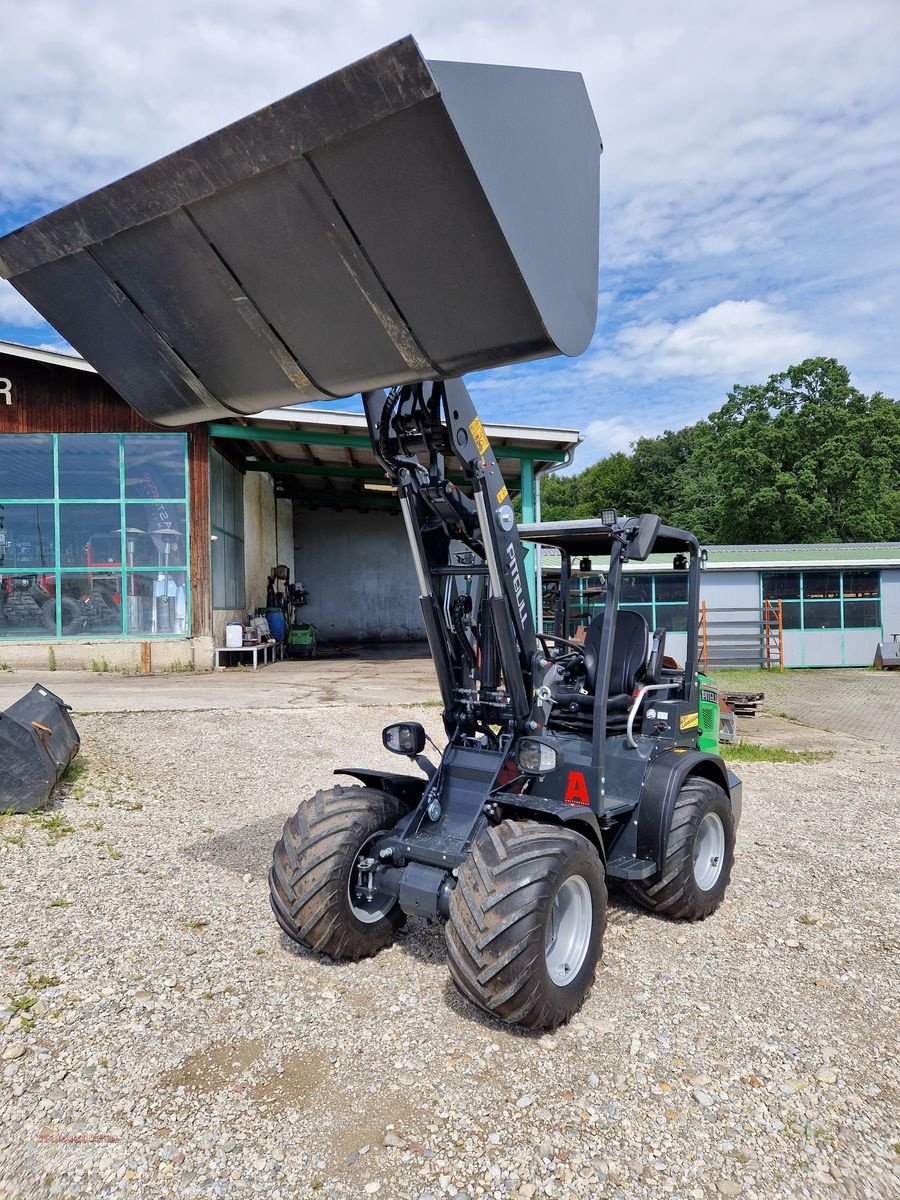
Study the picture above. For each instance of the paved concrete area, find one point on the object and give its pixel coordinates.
(863, 704)
(857, 703)
(381, 675)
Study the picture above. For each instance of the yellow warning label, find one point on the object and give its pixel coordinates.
(477, 431)
(503, 494)
(689, 720)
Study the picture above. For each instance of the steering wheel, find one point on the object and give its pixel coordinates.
(576, 648)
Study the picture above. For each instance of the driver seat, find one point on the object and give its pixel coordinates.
(631, 645)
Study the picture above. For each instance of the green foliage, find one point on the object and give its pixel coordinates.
(803, 457)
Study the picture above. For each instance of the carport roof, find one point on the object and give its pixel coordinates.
(323, 458)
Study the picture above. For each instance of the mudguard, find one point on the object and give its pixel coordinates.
(662, 783)
(407, 788)
(583, 820)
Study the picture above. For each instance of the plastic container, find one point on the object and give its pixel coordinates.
(277, 626)
(234, 635)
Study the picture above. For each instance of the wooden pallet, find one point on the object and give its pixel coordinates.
(745, 704)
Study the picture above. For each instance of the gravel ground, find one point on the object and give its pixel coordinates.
(180, 1046)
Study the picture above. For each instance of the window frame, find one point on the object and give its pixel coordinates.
(812, 602)
(59, 573)
(229, 538)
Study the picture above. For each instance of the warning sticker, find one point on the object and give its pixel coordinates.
(477, 431)
(503, 494)
(688, 720)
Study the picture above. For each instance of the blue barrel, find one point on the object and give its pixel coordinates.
(277, 626)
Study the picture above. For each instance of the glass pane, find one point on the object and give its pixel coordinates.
(790, 615)
(861, 583)
(862, 614)
(89, 535)
(88, 466)
(646, 611)
(26, 536)
(671, 588)
(155, 535)
(91, 603)
(156, 602)
(27, 607)
(782, 585)
(26, 466)
(821, 585)
(216, 471)
(672, 617)
(217, 555)
(637, 589)
(822, 614)
(234, 572)
(154, 466)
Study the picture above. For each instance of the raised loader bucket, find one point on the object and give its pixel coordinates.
(397, 221)
(37, 742)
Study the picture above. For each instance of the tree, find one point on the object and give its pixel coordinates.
(803, 457)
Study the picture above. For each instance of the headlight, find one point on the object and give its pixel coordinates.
(535, 758)
(406, 738)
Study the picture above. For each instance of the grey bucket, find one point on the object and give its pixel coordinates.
(399, 220)
(38, 740)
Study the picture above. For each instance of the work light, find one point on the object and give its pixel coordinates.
(534, 757)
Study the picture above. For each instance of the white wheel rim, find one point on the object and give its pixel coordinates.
(709, 851)
(569, 934)
(368, 911)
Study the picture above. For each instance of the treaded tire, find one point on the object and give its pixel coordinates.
(675, 892)
(311, 866)
(500, 912)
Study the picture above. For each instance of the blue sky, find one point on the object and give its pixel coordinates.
(750, 185)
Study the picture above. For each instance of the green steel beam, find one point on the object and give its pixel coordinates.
(355, 441)
(528, 516)
(336, 499)
(332, 470)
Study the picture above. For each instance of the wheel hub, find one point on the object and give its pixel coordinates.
(366, 902)
(569, 932)
(709, 851)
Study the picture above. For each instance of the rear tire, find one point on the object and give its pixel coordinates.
(699, 855)
(312, 875)
(526, 923)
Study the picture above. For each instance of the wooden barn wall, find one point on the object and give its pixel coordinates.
(44, 398)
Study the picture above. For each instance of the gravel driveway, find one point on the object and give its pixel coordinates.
(180, 1046)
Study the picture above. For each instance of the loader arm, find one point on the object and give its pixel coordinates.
(468, 557)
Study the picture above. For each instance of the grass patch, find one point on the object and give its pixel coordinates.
(753, 752)
(54, 824)
(60, 902)
(100, 666)
(75, 769)
(22, 1003)
(51, 659)
(198, 924)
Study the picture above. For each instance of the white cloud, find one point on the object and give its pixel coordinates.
(15, 309)
(611, 434)
(732, 339)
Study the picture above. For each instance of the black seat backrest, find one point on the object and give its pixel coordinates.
(629, 651)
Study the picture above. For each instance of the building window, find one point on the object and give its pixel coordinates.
(826, 599)
(94, 535)
(659, 596)
(226, 516)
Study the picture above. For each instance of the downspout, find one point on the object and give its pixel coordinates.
(538, 567)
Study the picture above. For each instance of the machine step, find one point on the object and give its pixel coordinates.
(627, 867)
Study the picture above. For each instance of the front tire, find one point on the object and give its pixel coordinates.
(526, 923)
(312, 881)
(699, 855)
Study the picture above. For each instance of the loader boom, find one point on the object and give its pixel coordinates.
(468, 557)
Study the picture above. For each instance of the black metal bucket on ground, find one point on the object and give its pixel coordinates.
(38, 740)
(397, 221)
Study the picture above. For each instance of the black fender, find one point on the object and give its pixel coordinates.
(574, 816)
(662, 783)
(407, 788)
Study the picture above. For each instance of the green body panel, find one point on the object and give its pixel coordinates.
(708, 708)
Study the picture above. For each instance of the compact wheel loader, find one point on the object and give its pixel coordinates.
(567, 763)
(394, 226)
